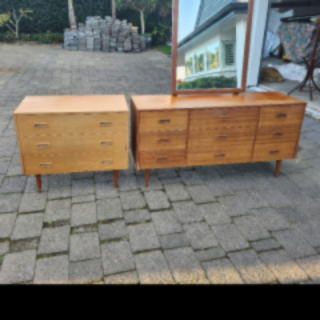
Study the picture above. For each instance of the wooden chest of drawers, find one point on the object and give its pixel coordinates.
(181, 131)
(62, 134)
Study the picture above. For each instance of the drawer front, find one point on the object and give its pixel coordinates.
(274, 151)
(220, 155)
(33, 125)
(281, 115)
(162, 159)
(223, 117)
(163, 121)
(74, 143)
(204, 139)
(167, 140)
(275, 134)
(63, 163)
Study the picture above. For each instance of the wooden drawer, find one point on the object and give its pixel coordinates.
(167, 140)
(274, 134)
(62, 163)
(281, 115)
(223, 117)
(220, 154)
(33, 125)
(274, 151)
(203, 139)
(75, 143)
(162, 159)
(163, 121)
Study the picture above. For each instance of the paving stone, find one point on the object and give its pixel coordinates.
(252, 199)
(54, 240)
(152, 268)
(58, 210)
(154, 183)
(85, 271)
(109, 209)
(127, 183)
(275, 198)
(283, 267)
(103, 176)
(233, 206)
(53, 270)
(221, 272)
(13, 185)
(7, 222)
(214, 213)
(4, 167)
(27, 226)
(81, 175)
(157, 200)
(210, 254)
(201, 194)
(187, 212)
(167, 173)
(106, 190)
(172, 241)
(200, 236)
(137, 216)
(82, 199)
(84, 213)
(82, 187)
(251, 268)
(18, 267)
(112, 231)
(4, 248)
(264, 245)
(219, 187)
(271, 220)
(10, 202)
(226, 169)
(132, 200)
(143, 237)
(310, 230)
(230, 237)
(32, 187)
(168, 181)
(176, 192)
(165, 222)
(59, 192)
(311, 266)
(32, 202)
(190, 177)
(185, 267)
(59, 180)
(122, 278)
(294, 244)
(117, 257)
(84, 246)
(251, 228)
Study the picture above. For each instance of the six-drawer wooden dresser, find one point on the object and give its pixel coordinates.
(61, 134)
(170, 131)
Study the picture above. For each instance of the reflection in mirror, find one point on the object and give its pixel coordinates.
(211, 44)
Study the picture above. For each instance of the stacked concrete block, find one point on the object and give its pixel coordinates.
(82, 37)
(142, 43)
(71, 39)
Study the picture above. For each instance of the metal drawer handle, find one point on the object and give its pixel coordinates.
(163, 141)
(162, 159)
(164, 121)
(274, 151)
(43, 145)
(45, 165)
(40, 125)
(278, 134)
(222, 137)
(107, 161)
(224, 118)
(105, 124)
(221, 155)
(281, 115)
(106, 143)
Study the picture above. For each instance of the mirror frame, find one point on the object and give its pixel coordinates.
(174, 90)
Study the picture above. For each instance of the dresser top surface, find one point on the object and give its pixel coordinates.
(72, 104)
(248, 99)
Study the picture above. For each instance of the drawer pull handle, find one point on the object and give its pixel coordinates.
(43, 145)
(45, 165)
(105, 124)
(224, 118)
(278, 134)
(274, 151)
(221, 155)
(106, 143)
(40, 125)
(163, 141)
(281, 115)
(164, 121)
(107, 161)
(222, 137)
(162, 159)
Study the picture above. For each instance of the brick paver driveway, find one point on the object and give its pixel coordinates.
(216, 224)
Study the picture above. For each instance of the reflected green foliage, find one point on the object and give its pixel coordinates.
(209, 83)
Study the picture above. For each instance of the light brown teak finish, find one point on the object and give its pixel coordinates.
(219, 129)
(63, 134)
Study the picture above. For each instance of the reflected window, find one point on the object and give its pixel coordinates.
(229, 48)
(213, 56)
(199, 61)
(189, 65)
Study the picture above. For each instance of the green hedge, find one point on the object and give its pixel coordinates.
(208, 83)
(52, 15)
(45, 38)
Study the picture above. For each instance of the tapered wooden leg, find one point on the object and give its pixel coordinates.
(147, 177)
(38, 178)
(278, 167)
(115, 178)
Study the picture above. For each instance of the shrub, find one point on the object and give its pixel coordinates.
(209, 83)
